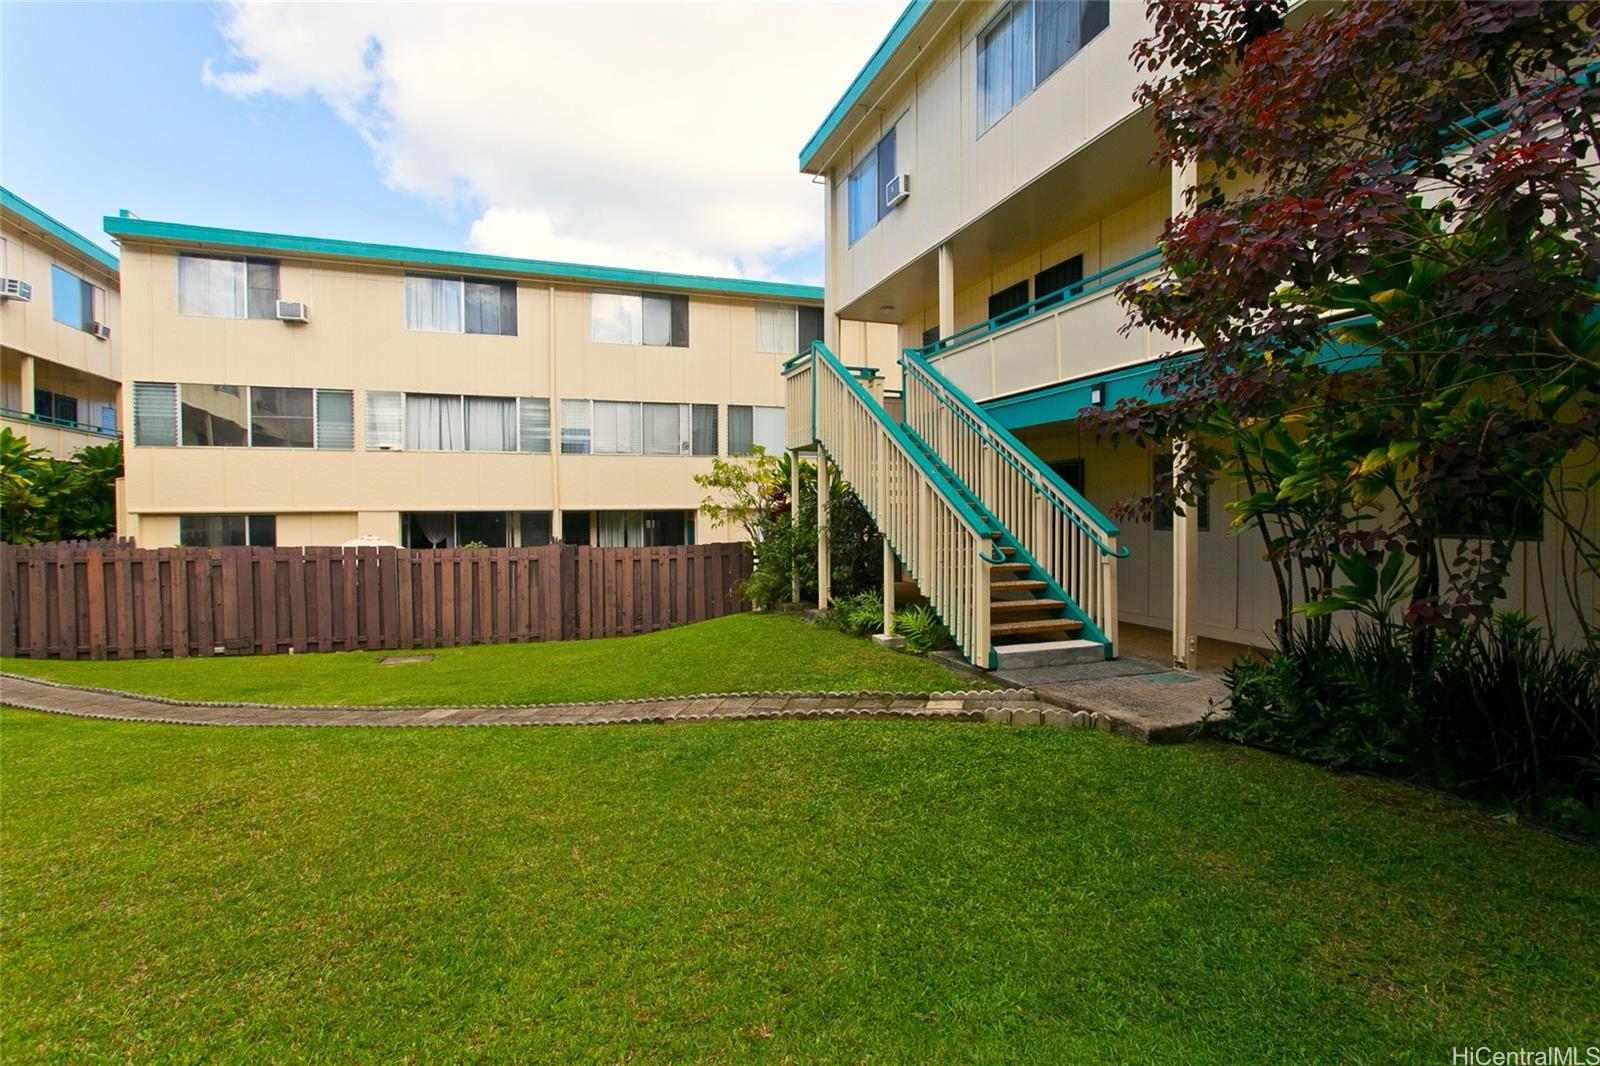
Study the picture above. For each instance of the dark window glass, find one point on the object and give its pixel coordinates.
(1071, 471)
(482, 527)
(214, 416)
(886, 171)
(435, 529)
(680, 321)
(741, 429)
(664, 529)
(263, 530)
(262, 288)
(1053, 279)
(575, 527)
(227, 530)
(1094, 16)
(535, 528)
(1005, 305)
(1161, 466)
(810, 328)
(930, 336)
(47, 404)
(703, 429)
(491, 307)
(281, 418)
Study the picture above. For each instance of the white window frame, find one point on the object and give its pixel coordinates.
(517, 403)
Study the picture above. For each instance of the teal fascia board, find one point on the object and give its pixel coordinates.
(136, 229)
(1061, 402)
(66, 234)
(897, 34)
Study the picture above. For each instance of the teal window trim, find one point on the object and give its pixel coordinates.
(15, 415)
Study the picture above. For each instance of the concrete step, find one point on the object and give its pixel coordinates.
(1049, 653)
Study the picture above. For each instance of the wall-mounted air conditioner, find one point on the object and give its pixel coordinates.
(897, 189)
(100, 330)
(293, 311)
(15, 289)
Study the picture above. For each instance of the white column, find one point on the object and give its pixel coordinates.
(824, 554)
(830, 300)
(794, 515)
(888, 589)
(947, 289)
(28, 385)
(1185, 573)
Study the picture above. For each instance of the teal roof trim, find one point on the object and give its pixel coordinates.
(897, 34)
(128, 228)
(62, 232)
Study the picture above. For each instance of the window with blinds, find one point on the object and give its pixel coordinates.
(666, 429)
(385, 421)
(155, 414)
(336, 419)
(533, 424)
(618, 428)
(753, 427)
(576, 434)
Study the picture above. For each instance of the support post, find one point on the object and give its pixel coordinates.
(947, 289)
(1185, 573)
(28, 384)
(824, 554)
(794, 515)
(888, 590)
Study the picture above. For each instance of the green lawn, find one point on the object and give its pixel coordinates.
(839, 891)
(739, 653)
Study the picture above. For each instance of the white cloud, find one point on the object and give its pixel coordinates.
(652, 135)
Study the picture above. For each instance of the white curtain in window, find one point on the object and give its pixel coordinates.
(775, 329)
(863, 195)
(657, 320)
(212, 287)
(619, 529)
(385, 420)
(433, 423)
(767, 428)
(433, 304)
(491, 424)
(616, 318)
(1005, 63)
(439, 529)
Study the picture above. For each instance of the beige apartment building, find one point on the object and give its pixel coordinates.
(295, 391)
(989, 184)
(60, 345)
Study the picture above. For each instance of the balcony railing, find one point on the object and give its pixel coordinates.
(14, 415)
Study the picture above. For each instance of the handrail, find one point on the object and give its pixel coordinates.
(975, 523)
(1097, 282)
(1017, 455)
(59, 423)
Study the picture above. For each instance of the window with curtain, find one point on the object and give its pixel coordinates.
(534, 528)
(639, 318)
(336, 419)
(155, 414)
(223, 287)
(72, 300)
(491, 423)
(214, 416)
(618, 428)
(777, 329)
(810, 328)
(767, 428)
(108, 418)
(434, 529)
(491, 307)
(282, 418)
(703, 429)
(533, 422)
(666, 429)
(434, 423)
(386, 421)
(619, 529)
(741, 429)
(461, 305)
(862, 193)
(433, 305)
(577, 436)
(1026, 43)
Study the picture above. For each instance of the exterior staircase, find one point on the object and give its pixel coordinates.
(1018, 566)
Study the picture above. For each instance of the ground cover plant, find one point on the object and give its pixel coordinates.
(778, 891)
(737, 653)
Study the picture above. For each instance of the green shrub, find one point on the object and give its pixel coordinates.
(1499, 714)
(921, 628)
(860, 613)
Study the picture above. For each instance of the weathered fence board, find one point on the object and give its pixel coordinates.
(112, 600)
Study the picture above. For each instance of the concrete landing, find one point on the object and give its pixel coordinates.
(1136, 698)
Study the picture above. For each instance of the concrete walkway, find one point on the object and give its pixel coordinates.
(1013, 706)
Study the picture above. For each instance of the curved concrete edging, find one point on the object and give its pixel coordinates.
(1013, 706)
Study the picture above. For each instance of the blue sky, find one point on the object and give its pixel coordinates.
(457, 128)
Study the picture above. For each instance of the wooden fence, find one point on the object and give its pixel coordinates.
(121, 602)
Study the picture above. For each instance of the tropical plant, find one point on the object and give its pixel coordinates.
(860, 613)
(44, 498)
(921, 628)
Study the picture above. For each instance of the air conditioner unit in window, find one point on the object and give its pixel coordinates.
(100, 330)
(897, 189)
(15, 289)
(293, 311)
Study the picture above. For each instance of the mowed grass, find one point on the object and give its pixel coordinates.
(738, 653)
(772, 891)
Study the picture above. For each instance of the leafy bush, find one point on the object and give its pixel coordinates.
(1499, 714)
(921, 628)
(45, 499)
(860, 613)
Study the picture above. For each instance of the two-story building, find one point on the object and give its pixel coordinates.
(989, 185)
(60, 349)
(299, 390)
